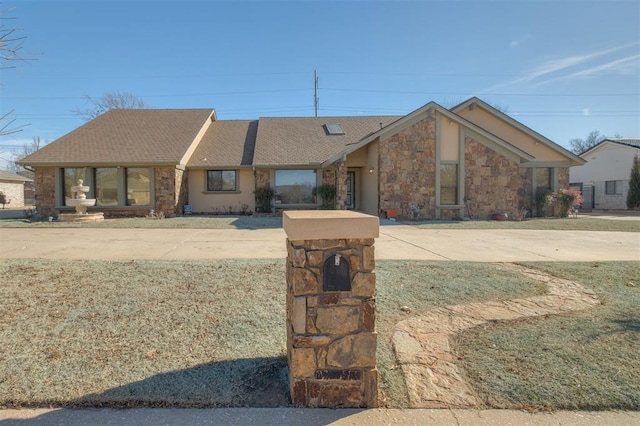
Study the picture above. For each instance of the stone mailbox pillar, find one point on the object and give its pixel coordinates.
(331, 337)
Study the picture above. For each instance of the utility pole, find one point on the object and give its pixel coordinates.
(316, 101)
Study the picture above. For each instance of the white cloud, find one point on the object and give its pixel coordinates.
(549, 67)
(514, 43)
(586, 111)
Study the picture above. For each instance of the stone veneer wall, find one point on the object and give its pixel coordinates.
(341, 185)
(331, 336)
(563, 177)
(492, 181)
(263, 178)
(45, 181)
(408, 169)
(329, 176)
(166, 190)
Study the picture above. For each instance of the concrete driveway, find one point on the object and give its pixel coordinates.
(395, 242)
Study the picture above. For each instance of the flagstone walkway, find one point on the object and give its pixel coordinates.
(422, 347)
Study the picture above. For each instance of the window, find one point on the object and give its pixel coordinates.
(613, 187)
(138, 186)
(295, 186)
(543, 179)
(221, 180)
(106, 182)
(70, 178)
(448, 184)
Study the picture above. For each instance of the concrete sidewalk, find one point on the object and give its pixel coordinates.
(311, 417)
(395, 242)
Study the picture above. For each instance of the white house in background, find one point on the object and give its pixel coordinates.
(12, 185)
(604, 179)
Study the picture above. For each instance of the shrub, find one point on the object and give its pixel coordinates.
(263, 199)
(542, 202)
(328, 193)
(563, 200)
(3, 199)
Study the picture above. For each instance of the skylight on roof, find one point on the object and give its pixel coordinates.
(334, 129)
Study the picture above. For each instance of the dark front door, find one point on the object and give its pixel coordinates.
(350, 201)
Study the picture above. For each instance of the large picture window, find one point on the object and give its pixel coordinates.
(106, 183)
(138, 186)
(295, 186)
(70, 178)
(448, 184)
(221, 180)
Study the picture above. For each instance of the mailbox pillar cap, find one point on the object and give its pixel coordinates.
(329, 225)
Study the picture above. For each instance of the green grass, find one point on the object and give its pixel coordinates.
(197, 333)
(586, 360)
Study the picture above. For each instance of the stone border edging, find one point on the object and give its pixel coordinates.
(422, 348)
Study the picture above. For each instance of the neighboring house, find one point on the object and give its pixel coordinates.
(604, 179)
(469, 161)
(13, 187)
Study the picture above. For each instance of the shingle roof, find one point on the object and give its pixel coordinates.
(226, 143)
(132, 136)
(305, 140)
(8, 176)
(633, 142)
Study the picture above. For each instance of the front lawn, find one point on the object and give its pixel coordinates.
(212, 333)
(588, 360)
(197, 333)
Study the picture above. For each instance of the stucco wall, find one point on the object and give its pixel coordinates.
(220, 202)
(516, 137)
(14, 193)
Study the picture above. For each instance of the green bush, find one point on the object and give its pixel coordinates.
(263, 198)
(328, 193)
(542, 202)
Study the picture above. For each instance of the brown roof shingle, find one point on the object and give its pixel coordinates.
(226, 143)
(304, 140)
(124, 137)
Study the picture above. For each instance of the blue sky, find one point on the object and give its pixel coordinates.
(561, 67)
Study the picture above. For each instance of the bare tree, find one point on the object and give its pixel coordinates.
(578, 145)
(10, 51)
(110, 100)
(27, 149)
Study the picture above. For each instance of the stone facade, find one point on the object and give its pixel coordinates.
(341, 185)
(167, 189)
(331, 338)
(263, 178)
(492, 181)
(407, 170)
(45, 181)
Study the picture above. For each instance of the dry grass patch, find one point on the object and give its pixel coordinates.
(151, 333)
(582, 223)
(198, 333)
(584, 360)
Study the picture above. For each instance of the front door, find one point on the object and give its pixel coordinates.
(350, 201)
